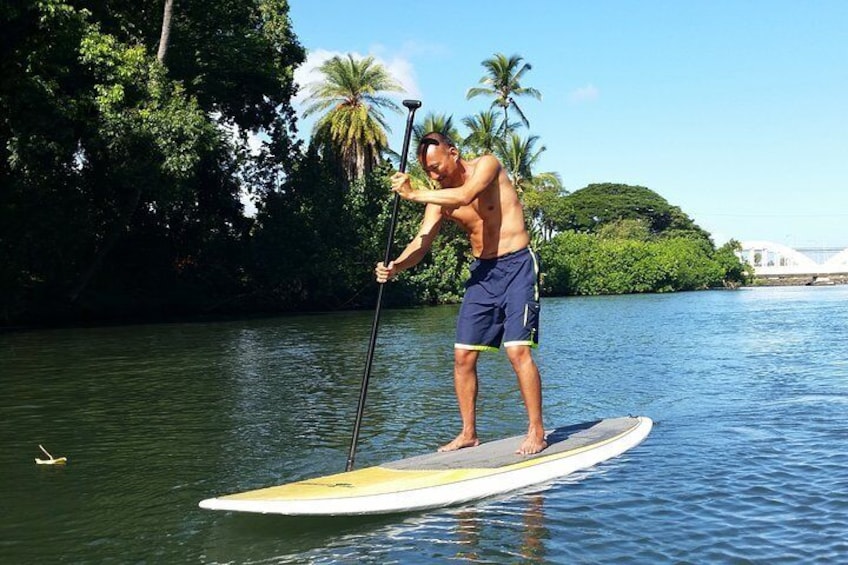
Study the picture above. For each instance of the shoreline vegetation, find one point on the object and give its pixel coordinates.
(126, 149)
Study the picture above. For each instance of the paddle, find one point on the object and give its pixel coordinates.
(412, 105)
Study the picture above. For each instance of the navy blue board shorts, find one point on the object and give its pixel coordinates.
(501, 303)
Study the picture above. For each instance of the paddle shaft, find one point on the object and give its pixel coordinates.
(411, 105)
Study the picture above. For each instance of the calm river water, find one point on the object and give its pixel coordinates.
(747, 463)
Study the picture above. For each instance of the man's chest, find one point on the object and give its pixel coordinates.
(468, 217)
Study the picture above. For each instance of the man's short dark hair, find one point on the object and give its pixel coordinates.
(432, 138)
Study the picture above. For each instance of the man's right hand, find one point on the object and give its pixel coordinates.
(384, 273)
(402, 186)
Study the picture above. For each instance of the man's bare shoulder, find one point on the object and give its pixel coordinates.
(486, 168)
(485, 159)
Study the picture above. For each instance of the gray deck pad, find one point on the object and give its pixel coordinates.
(500, 453)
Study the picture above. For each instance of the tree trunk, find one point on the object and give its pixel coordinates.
(166, 31)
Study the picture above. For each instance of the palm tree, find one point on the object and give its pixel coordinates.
(503, 82)
(434, 122)
(484, 131)
(353, 127)
(518, 156)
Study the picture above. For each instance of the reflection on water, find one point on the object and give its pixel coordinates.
(502, 531)
(749, 391)
(515, 532)
(518, 532)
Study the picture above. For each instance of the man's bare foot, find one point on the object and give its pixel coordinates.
(533, 443)
(461, 441)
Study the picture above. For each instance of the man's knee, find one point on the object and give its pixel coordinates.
(519, 355)
(464, 359)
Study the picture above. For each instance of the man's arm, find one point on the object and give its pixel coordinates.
(486, 171)
(416, 249)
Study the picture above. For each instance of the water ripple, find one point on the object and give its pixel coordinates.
(746, 462)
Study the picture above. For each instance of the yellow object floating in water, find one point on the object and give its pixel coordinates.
(52, 460)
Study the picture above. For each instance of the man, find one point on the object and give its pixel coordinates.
(501, 302)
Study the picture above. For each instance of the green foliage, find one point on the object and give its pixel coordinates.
(628, 239)
(440, 277)
(543, 203)
(518, 156)
(145, 120)
(587, 264)
(120, 190)
(736, 272)
(434, 122)
(635, 228)
(437, 279)
(598, 204)
(299, 239)
(483, 132)
(340, 234)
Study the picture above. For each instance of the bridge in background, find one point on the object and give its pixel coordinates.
(812, 265)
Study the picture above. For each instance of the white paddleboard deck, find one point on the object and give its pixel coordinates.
(436, 480)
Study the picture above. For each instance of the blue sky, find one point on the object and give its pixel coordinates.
(736, 111)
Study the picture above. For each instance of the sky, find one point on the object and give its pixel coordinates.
(734, 110)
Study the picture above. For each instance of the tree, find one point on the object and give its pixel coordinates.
(483, 132)
(736, 271)
(633, 229)
(544, 203)
(119, 185)
(518, 156)
(153, 135)
(235, 57)
(434, 122)
(302, 233)
(353, 127)
(503, 82)
(585, 264)
(599, 204)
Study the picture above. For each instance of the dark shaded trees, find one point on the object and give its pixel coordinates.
(120, 184)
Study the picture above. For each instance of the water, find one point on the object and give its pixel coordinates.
(747, 462)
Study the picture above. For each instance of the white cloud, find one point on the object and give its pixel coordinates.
(308, 72)
(588, 93)
(401, 69)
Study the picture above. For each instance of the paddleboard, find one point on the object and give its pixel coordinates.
(437, 480)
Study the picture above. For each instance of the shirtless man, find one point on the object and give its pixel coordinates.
(501, 302)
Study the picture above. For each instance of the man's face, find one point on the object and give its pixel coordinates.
(440, 164)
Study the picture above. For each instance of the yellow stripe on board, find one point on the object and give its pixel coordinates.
(369, 481)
